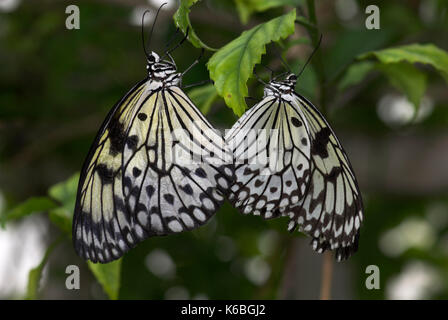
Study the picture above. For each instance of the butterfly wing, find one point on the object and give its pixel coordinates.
(100, 185)
(288, 162)
(271, 151)
(331, 211)
(133, 186)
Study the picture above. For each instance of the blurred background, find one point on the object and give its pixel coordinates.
(57, 85)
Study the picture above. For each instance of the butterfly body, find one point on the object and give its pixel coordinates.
(289, 162)
(156, 167)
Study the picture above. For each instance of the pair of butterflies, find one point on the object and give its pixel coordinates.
(281, 158)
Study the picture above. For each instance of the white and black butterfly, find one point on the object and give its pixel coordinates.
(288, 162)
(156, 167)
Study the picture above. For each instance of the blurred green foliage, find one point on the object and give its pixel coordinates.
(58, 84)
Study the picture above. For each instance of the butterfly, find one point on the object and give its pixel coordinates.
(156, 167)
(289, 162)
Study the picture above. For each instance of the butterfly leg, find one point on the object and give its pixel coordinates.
(179, 44)
(195, 62)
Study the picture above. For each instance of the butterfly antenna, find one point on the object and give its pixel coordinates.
(270, 70)
(143, 33)
(311, 55)
(154, 23)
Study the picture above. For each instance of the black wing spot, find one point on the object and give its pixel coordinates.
(288, 183)
(169, 198)
(201, 173)
(300, 166)
(334, 173)
(150, 191)
(106, 175)
(304, 141)
(247, 171)
(187, 189)
(258, 183)
(273, 189)
(142, 116)
(116, 137)
(136, 172)
(119, 204)
(320, 143)
(127, 182)
(132, 142)
(296, 122)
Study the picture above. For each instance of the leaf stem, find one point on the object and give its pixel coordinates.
(35, 274)
(304, 22)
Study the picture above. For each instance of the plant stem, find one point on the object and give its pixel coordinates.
(318, 60)
(35, 274)
(327, 264)
(304, 22)
(327, 274)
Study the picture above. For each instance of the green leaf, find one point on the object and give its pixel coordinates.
(295, 42)
(232, 65)
(306, 23)
(203, 97)
(406, 78)
(30, 206)
(413, 53)
(35, 274)
(108, 275)
(350, 44)
(262, 5)
(65, 193)
(59, 217)
(355, 74)
(246, 7)
(244, 10)
(182, 21)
